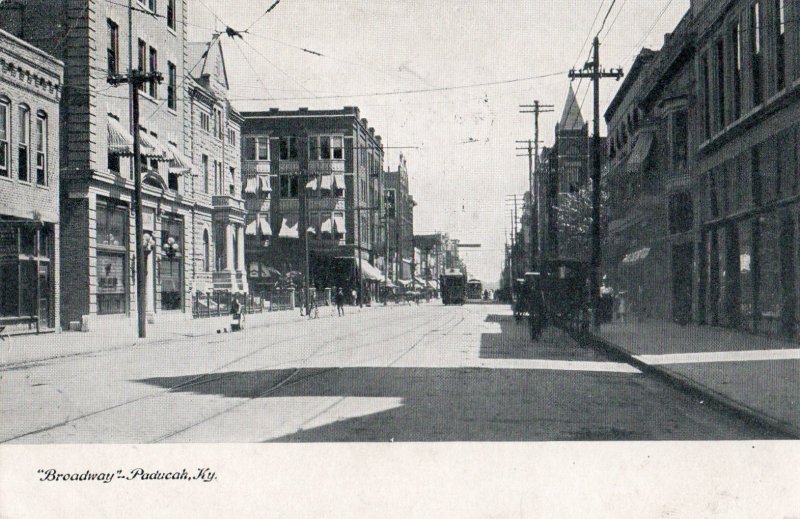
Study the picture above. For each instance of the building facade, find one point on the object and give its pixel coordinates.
(344, 158)
(30, 90)
(400, 222)
(747, 177)
(648, 249)
(98, 220)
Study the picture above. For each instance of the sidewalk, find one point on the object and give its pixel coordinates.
(758, 376)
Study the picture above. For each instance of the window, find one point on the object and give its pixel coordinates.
(205, 121)
(206, 251)
(41, 150)
(780, 44)
(679, 140)
(288, 148)
(231, 187)
(755, 172)
(215, 122)
(171, 14)
(736, 48)
(151, 4)
(219, 128)
(289, 186)
(142, 61)
(231, 136)
(172, 181)
(217, 178)
(112, 224)
(23, 144)
(205, 174)
(5, 130)
(256, 148)
(755, 35)
(113, 162)
(23, 246)
(172, 80)
(153, 68)
(324, 147)
(113, 48)
(337, 148)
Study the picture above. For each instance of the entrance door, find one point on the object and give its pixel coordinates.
(682, 283)
(44, 294)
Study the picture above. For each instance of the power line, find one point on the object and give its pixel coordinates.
(606, 17)
(278, 68)
(404, 92)
(270, 8)
(614, 21)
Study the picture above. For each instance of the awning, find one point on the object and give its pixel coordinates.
(265, 184)
(311, 230)
(250, 230)
(370, 272)
(326, 182)
(339, 181)
(641, 150)
(312, 184)
(179, 162)
(288, 231)
(635, 256)
(152, 148)
(120, 140)
(251, 185)
(389, 283)
(404, 282)
(266, 228)
(261, 223)
(326, 226)
(338, 222)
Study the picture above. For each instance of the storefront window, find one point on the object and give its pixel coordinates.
(24, 251)
(112, 222)
(170, 272)
(770, 289)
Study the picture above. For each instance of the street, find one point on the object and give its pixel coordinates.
(398, 373)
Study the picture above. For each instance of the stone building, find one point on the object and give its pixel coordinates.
(345, 164)
(648, 249)
(747, 175)
(30, 89)
(183, 119)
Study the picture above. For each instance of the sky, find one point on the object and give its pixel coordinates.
(441, 82)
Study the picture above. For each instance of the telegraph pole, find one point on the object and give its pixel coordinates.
(536, 108)
(302, 221)
(593, 71)
(135, 79)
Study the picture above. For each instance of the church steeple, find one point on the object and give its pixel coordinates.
(571, 118)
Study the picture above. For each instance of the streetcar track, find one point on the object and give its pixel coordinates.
(195, 380)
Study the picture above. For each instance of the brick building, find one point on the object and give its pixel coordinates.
(345, 163)
(747, 176)
(188, 200)
(400, 224)
(30, 90)
(648, 249)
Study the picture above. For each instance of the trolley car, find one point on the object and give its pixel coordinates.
(474, 290)
(453, 285)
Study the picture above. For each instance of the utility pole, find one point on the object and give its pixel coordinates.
(302, 220)
(536, 108)
(593, 71)
(135, 79)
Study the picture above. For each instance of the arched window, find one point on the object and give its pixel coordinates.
(23, 144)
(206, 251)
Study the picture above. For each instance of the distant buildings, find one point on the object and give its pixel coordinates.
(400, 225)
(31, 86)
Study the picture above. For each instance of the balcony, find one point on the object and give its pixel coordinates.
(254, 167)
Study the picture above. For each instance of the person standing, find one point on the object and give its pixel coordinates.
(354, 295)
(339, 298)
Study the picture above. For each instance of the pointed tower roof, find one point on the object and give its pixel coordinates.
(571, 118)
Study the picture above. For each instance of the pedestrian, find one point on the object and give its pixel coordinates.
(236, 315)
(339, 299)
(354, 297)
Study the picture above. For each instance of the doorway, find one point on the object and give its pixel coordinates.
(682, 283)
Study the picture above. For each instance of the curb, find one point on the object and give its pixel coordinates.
(692, 387)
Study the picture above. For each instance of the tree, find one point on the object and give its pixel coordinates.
(574, 220)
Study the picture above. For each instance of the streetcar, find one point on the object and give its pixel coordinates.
(474, 290)
(453, 285)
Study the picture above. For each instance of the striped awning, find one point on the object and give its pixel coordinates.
(152, 148)
(120, 140)
(266, 229)
(339, 181)
(179, 162)
(288, 231)
(261, 224)
(338, 222)
(326, 226)
(312, 184)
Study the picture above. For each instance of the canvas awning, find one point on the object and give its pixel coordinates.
(259, 223)
(370, 271)
(151, 147)
(120, 140)
(635, 256)
(338, 222)
(179, 163)
(288, 231)
(338, 179)
(265, 183)
(404, 282)
(641, 150)
(326, 182)
(327, 226)
(312, 184)
(251, 185)
(266, 228)
(251, 228)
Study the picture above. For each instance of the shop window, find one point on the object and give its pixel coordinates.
(170, 273)
(112, 222)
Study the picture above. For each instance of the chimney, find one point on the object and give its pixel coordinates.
(372, 131)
